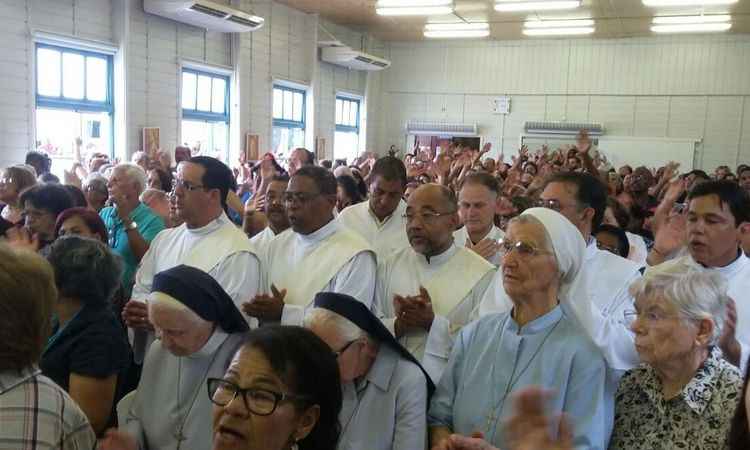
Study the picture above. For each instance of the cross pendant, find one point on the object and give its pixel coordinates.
(491, 421)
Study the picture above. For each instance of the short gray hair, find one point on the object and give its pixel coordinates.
(149, 194)
(344, 327)
(698, 294)
(135, 173)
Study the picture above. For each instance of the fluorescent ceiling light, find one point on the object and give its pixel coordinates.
(687, 2)
(691, 28)
(410, 3)
(558, 31)
(459, 26)
(415, 11)
(691, 19)
(456, 34)
(559, 23)
(509, 6)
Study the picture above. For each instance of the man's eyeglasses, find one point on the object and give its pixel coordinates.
(427, 217)
(344, 348)
(602, 246)
(299, 197)
(523, 248)
(260, 402)
(188, 186)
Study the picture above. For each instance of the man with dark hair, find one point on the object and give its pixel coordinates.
(40, 161)
(274, 209)
(316, 255)
(207, 240)
(41, 204)
(477, 204)
(744, 178)
(718, 217)
(430, 289)
(299, 158)
(380, 221)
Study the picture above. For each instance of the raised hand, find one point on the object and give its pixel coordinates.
(21, 238)
(529, 427)
(135, 315)
(266, 307)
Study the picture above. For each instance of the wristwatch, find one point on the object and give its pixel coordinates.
(131, 226)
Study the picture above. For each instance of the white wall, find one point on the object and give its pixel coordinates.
(689, 87)
(152, 50)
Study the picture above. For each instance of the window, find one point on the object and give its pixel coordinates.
(73, 100)
(346, 139)
(205, 113)
(288, 120)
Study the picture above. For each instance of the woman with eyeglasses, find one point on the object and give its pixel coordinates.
(280, 392)
(199, 330)
(13, 180)
(535, 343)
(385, 389)
(685, 393)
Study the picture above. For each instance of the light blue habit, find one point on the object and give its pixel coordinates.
(492, 358)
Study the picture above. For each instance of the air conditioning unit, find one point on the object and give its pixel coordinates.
(562, 128)
(430, 128)
(353, 59)
(205, 14)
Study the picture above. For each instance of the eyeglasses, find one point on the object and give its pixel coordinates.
(523, 248)
(552, 204)
(426, 217)
(6, 181)
(299, 197)
(607, 248)
(344, 348)
(188, 186)
(260, 402)
(650, 317)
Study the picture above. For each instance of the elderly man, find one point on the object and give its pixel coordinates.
(426, 292)
(131, 225)
(275, 211)
(316, 255)
(299, 158)
(380, 221)
(477, 203)
(385, 390)
(207, 240)
(718, 217)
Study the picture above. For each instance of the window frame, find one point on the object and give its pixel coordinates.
(205, 116)
(286, 123)
(348, 128)
(61, 102)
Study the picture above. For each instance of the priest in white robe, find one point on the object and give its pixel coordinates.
(200, 329)
(718, 216)
(477, 204)
(380, 221)
(315, 255)
(428, 291)
(207, 240)
(275, 211)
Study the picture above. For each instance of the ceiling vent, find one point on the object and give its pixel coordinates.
(352, 59)
(429, 128)
(205, 14)
(562, 128)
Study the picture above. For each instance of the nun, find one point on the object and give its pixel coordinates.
(385, 389)
(536, 343)
(199, 329)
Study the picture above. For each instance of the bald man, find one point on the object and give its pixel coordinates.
(426, 292)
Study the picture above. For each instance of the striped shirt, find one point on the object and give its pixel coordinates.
(36, 414)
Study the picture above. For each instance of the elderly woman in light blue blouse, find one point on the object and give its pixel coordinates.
(535, 343)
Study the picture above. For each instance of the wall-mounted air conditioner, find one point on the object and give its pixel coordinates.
(353, 59)
(561, 128)
(436, 128)
(205, 14)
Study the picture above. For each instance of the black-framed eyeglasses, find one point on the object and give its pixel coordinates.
(188, 186)
(260, 402)
(341, 351)
(553, 204)
(299, 197)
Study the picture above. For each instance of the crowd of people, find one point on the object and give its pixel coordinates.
(442, 300)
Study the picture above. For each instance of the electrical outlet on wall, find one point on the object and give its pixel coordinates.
(501, 105)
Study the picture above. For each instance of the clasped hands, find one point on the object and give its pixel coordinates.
(413, 312)
(266, 307)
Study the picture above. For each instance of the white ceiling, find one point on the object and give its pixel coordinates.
(614, 18)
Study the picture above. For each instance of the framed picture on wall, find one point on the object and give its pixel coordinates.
(151, 143)
(320, 148)
(251, 147)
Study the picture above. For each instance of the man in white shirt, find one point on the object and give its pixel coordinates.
(380, 220)
(207, 240)
(477, 204)
(315, 255)
(426, 292)
(718, 217)
(275, 211)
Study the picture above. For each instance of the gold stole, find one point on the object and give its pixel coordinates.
(316, 269)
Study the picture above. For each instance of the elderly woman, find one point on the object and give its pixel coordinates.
(96, 192)
(13, 181)
(35, 412)
(280, 392)
(385, 389)
(684, 394)
(88, 351)
(536, 343)
(199, 329)
(81, 222)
